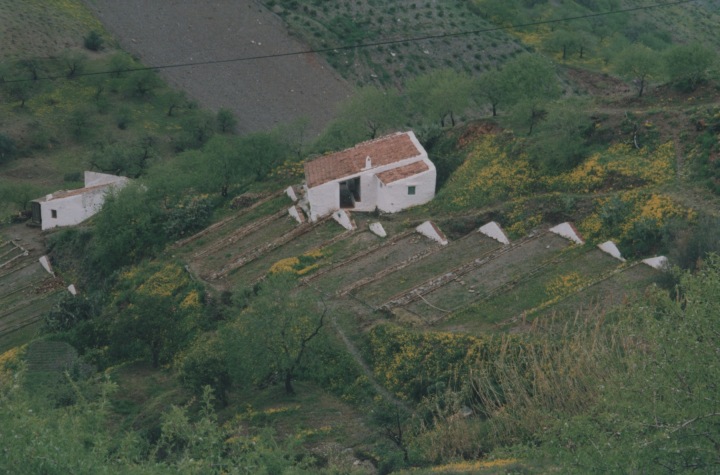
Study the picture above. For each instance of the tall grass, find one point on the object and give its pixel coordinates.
(525, 389)
(558, 375)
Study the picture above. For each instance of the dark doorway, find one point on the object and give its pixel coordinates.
(349, 192)
(36, 219)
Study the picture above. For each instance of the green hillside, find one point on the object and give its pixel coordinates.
(213, 333)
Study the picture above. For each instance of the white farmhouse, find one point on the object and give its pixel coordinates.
(67, 208)
(390, 173)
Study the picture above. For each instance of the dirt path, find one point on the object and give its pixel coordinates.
(355, 353)
(29, 238)
(263, 93)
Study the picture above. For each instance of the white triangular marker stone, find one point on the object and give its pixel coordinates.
(429, 230)
(296, 214)
(45, 262)
(567, 231)
(659, 262)
(493, 230)
(291, 193)
(609, 247)
(343, 218)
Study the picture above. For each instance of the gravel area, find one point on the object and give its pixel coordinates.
(263, 93)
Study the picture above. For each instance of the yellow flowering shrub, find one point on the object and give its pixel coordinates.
(591, 227)
(413, 363)
(168, 281)
(410, 362)
(618, 164)
(564, 284)
(521, 218)
(472, 465)
(486, 176)
(191, 300)
(285, 265)
(619, 217)
(10, 361)
(659, 208)
(164, 282)
(301, 265)
(289, 169)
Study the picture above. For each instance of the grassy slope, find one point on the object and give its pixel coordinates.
(43, 28)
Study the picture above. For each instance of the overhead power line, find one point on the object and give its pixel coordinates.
(337, 48)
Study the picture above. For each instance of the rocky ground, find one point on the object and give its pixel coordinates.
(263, 93)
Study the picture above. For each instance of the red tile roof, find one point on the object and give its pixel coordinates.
(395, 174)
(66, 193)
(382, 151)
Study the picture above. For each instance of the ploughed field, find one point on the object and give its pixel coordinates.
(263, 93)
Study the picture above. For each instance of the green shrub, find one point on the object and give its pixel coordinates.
(81, 127)
(8, 149)
(188, 215)
(123, 118)
(155, 312)
(204, 364)
(658, 411)
(128, 229)
(68, 312)
(689, 65)
(93, 41)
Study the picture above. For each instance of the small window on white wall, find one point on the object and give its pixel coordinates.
(53, 213)
(411, 190)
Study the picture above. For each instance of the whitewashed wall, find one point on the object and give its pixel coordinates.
(71, 210)
(394, 196)
(74, 209)
(368, 191)
(325, 199)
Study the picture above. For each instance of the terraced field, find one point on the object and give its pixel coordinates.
(615, 288)
(473, 284)
(368, 264)
(27, 290)
(302, 239)
(534, 288)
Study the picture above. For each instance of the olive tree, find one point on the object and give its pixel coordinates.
(639, 64)
(689, 65)
(532, 83)
(273, 335)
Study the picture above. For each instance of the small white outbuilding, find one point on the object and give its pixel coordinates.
(390, 174)
(67, 208)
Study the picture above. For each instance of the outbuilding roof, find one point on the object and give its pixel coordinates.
(67, 193)
(382, 151)
(395, 174)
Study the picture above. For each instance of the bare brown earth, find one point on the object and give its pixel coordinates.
(262, 93)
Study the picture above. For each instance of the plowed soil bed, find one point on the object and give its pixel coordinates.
(261, 92)
(455, 254)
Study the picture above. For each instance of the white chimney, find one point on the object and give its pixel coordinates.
(368, 163)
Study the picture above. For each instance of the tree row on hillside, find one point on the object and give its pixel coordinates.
(684, 66)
